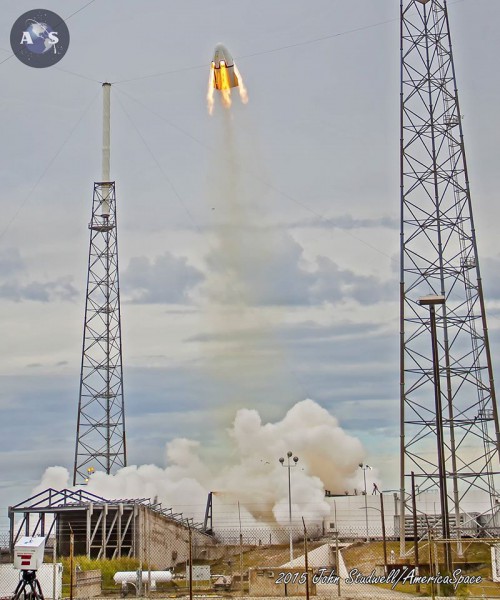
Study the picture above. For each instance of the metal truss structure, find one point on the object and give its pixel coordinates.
(102, 528)
(449, 419)
(100, 441)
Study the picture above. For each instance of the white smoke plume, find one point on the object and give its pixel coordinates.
(254, 478)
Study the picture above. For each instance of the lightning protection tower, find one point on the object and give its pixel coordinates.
(449, 420)
(100, 437)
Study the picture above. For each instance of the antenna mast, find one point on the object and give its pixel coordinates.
(100, 436)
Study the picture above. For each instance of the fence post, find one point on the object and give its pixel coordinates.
(415, 526)
(337, 561)
(71, 566)
(54, 557)
(384, 537)
(190, 563)
(241, 550)
(306, 562)
(431, 569)
(436, 554)
(148, 551)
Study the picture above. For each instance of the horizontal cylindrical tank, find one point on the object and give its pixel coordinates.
(132, 576)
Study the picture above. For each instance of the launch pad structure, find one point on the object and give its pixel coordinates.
(106, 528)
(448, 413)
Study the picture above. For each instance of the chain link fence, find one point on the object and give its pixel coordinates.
(262, 562)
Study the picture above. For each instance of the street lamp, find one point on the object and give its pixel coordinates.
(431, 302)
(289, 466)
(364, 467)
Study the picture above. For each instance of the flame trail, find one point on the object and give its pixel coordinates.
(210, 91)
(241, 85)
(226, 85)
(226, 98)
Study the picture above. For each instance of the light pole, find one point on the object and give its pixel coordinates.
(382, 520)
(431, 302)
(364, 467)
(289, 466)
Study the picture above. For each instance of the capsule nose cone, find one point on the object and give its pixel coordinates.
(221, 53)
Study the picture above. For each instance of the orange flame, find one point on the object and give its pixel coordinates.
(225, 85)
(210, 91)
(243, 89)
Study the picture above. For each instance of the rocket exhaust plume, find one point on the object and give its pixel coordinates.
(224, 75)
(210, 90)
(250, 473)
(241, 87)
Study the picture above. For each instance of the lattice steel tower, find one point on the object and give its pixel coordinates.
(449, 419)
(100, 437)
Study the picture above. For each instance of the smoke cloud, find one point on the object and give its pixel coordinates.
(252, 477)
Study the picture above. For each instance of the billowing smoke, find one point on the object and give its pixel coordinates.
(252, 477)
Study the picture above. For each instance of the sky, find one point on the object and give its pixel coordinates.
(258, 247)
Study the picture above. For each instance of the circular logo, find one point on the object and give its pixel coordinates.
(39, 38)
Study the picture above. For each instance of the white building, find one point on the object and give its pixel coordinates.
(360, 516)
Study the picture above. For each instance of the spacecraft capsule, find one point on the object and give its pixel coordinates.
(224, 76)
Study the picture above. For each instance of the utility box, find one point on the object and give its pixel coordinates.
(28, 553)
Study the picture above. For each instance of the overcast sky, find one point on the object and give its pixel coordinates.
(286, 291)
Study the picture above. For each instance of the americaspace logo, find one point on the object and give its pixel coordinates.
(39, 38)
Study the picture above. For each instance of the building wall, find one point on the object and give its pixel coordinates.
(164, 543)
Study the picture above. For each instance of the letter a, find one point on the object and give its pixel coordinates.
(26, 39)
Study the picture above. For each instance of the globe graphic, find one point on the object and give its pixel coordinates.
(39, 33)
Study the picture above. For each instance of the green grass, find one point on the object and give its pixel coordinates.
(108, 568)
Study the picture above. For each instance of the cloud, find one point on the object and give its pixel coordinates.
(335, 284)
(13, 286)
(346, 221)
(257, 268)
(10, 262)
(36, 291)
(167, 279)
(490, 267)
(266, 269)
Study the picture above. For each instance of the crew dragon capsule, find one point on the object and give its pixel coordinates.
(224, 75)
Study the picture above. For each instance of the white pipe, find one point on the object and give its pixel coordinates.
(131, 576)
(106, 134)
(106, 145)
